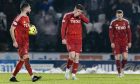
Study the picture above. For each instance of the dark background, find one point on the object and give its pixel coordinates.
(46, 15)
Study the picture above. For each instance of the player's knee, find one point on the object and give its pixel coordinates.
(76, 60)
(21, 59)
(125, 56)
(77, 54)
(117, 57)
(26, 60)
(72, 55)
(26, 56)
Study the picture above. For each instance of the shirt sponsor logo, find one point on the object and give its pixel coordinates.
(26, 24)
(75, 21)
(120, 27)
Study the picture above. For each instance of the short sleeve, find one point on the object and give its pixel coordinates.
(64, 18)
(16, 21)
(111, 25)
(128, 24)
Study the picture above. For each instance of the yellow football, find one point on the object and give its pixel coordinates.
(32, 30)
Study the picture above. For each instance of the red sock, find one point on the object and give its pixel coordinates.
(18, 67)
(124, 63)
(118, 65)
(28, 67)
(75, 68)
(69, 63)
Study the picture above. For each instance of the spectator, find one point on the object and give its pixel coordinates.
(46, 20)
(45, 5)
(137, 42)
(97, 26)
(3, 30)
(46, 24)
(136, 12)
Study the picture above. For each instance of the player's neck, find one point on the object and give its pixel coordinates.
(23, 13)
(120, 19)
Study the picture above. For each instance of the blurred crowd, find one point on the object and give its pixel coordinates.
(47, 15)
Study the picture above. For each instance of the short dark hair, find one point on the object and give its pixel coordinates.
(24, 5)
(119, 11)
(79, 6)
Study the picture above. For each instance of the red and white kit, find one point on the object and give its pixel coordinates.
(22, 34)
(72, 31)
(120, 35)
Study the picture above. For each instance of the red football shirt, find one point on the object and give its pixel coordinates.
(22, 29)
(119, 30)
(72, 26)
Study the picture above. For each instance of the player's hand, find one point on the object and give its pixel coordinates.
(77, 13)
(129, 45)
(64, 41)
(15, 44)
(112, 45)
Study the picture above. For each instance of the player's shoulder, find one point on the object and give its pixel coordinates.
(113, 21)
(126, 20)
(17, 18)
(68, 14)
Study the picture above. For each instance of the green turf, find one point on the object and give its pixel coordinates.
(83, 79)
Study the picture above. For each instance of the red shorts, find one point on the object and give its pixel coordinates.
(120, 48)
(23, 49)
(74, 45)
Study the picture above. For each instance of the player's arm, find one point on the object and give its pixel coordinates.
(84, 18)
(64, 28)
(129, 34)
(12, 32)
(111, 34)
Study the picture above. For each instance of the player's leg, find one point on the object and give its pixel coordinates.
(117, 52)
(118, 63)
(125, 56)
(75, 66)
(124, 60)
(18, 67)
(70, 59)
(78, 50)
(27, 64)
(29, 69)
(69, 64)
(70, 48)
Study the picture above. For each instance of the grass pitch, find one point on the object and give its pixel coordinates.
(83, 79)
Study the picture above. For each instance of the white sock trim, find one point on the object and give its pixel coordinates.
(73, 75)
(32, 76)
(12, 76)
(67, 70)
